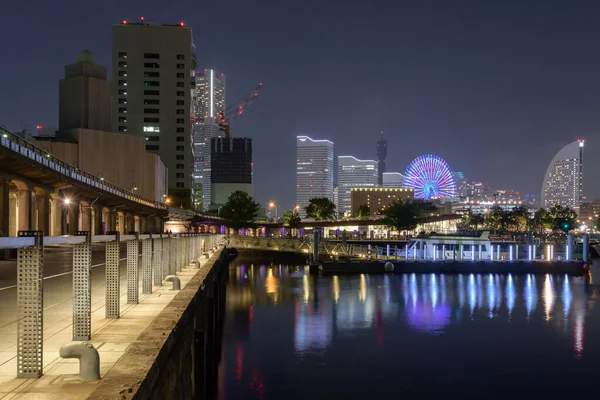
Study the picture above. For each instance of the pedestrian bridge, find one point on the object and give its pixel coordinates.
(268, 243)
(327, 249)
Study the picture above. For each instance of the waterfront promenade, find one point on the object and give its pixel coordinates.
(111, 337)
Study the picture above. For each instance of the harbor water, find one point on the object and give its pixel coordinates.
(292, 335)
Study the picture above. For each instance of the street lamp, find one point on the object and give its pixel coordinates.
(297, 208)
(272, 205)
(67, 201)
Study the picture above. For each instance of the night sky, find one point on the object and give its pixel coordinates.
(493, 87)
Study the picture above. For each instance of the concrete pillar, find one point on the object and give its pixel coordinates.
(97, 220)
(143, 222)
(4, 206)
(137, 224)
(150, 225)
(56, 215)
(129, 223)
(586, 247)
(43, 213)
(86, 218)
(121, 222)
(24, 197)
(73, 218)
(12, 214)
(109, 218)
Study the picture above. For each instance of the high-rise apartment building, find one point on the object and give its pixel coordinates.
(563, 181)
(381, 158)
(209, 104)
(153, 85)
(392, 179)
(353, 173)
(231, 168)
(314, 170)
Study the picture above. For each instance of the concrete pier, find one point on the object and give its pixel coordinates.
(144, 328)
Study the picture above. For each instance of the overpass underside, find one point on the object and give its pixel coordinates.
(35, 196)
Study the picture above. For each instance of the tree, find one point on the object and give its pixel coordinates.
(472, 221)
(563, 218)
(364, 211)
(425, 208)
(400, 216)
(496, 218)
(240, 209)
(518, 218)
(541, 221)
(477, 220)
(291, 219)
(320, 208)
(467, 219)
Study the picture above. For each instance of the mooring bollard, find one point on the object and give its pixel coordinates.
(175, 280)
(89, 359)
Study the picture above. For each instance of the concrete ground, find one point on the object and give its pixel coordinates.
(110, 337)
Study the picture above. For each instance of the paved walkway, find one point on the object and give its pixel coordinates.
(111, 337)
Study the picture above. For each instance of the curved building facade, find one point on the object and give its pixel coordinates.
(563, 181)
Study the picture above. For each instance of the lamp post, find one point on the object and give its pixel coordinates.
(67, 204)
(272, 205)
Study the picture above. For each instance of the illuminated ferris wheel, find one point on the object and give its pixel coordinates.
(430, 177)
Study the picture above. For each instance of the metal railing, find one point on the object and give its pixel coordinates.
(161, 256)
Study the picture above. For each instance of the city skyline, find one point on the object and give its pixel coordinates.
(490, 108)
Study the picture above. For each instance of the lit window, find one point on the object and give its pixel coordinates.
(151, 128)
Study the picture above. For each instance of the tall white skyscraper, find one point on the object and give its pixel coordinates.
(563, 182)
(314, 170)
(210, 102)
(210, 87)
(353, 173)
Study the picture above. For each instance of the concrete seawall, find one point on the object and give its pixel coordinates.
(176, 357)
(515, 267)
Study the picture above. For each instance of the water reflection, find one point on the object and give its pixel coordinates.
(372, 310)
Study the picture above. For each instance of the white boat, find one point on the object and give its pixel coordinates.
(436, 247)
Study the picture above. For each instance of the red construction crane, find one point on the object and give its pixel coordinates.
(237, 109)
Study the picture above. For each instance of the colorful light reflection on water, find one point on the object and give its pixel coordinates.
(281, 321)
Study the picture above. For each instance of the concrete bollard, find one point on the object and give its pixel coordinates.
(206, 256)
(175, 280)
(89, 359)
